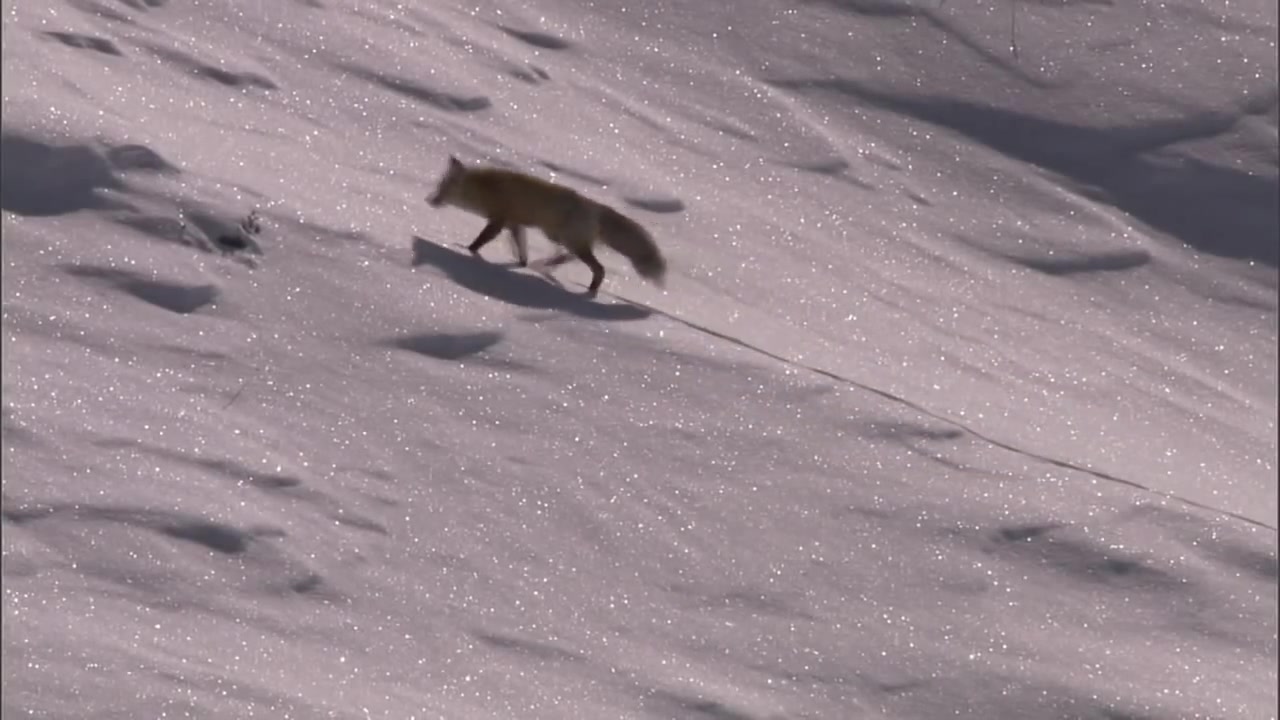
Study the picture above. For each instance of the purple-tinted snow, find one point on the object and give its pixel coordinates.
(959, 401)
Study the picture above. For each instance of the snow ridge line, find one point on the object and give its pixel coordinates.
(1064, 464)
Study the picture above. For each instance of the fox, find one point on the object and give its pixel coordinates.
(513, 200)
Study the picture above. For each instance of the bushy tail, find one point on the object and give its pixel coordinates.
(625, 236)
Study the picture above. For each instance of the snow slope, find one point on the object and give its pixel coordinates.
(960, 400)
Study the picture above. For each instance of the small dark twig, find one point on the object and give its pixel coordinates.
(235, 397)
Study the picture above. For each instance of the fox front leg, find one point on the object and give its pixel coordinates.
(489, 232)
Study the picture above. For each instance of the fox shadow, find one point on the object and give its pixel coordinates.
(504, 283)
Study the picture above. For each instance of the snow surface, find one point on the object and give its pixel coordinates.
(960, 400)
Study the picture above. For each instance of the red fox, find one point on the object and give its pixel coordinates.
(513, 200)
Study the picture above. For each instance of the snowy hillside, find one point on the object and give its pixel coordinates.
(960, 399)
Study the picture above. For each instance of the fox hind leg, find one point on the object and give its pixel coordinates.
(576, 238)
(560, 258)
(597, 270)
(519, 245)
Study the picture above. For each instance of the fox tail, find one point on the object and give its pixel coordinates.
(626, 237)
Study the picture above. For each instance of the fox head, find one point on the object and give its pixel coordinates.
(447, 189)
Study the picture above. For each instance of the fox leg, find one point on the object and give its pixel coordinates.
(489, 232)
(576, 238)
(519, 245)
(559, 258)
(597, 270)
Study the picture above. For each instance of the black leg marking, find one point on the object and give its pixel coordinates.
(597, 270)
(489, 232)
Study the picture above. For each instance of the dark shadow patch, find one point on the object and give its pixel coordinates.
(1082, 558)
(448, 346)
(284, 486)
(516, 288)
(139, 157)
(216, 235)
(531, 648)
(1101, 262)
(438, 99)
(1023, 533)
(1204, 538)
(231, 469)
(208, 357)
(181, 299)
(533, 74)
(523, 75)
(668, 704)
(910, 432)
(810, 678)
(1251, 560)
(917, 198)
(199, 68)
(85, 42)
(174, 297)
(232, 242)
(23, 514)
(575, 174)
(541, 40)
(254, 559)
(15, 434)
(872, 8)
(143, 4)
(833, 166)
(41, 180)
(268, 483)
(215, 536)
(656, 205)
(1114, 714)
(307, 584)
(1214, 209)
(896, 687)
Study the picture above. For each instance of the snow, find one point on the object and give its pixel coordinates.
(960, 398)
